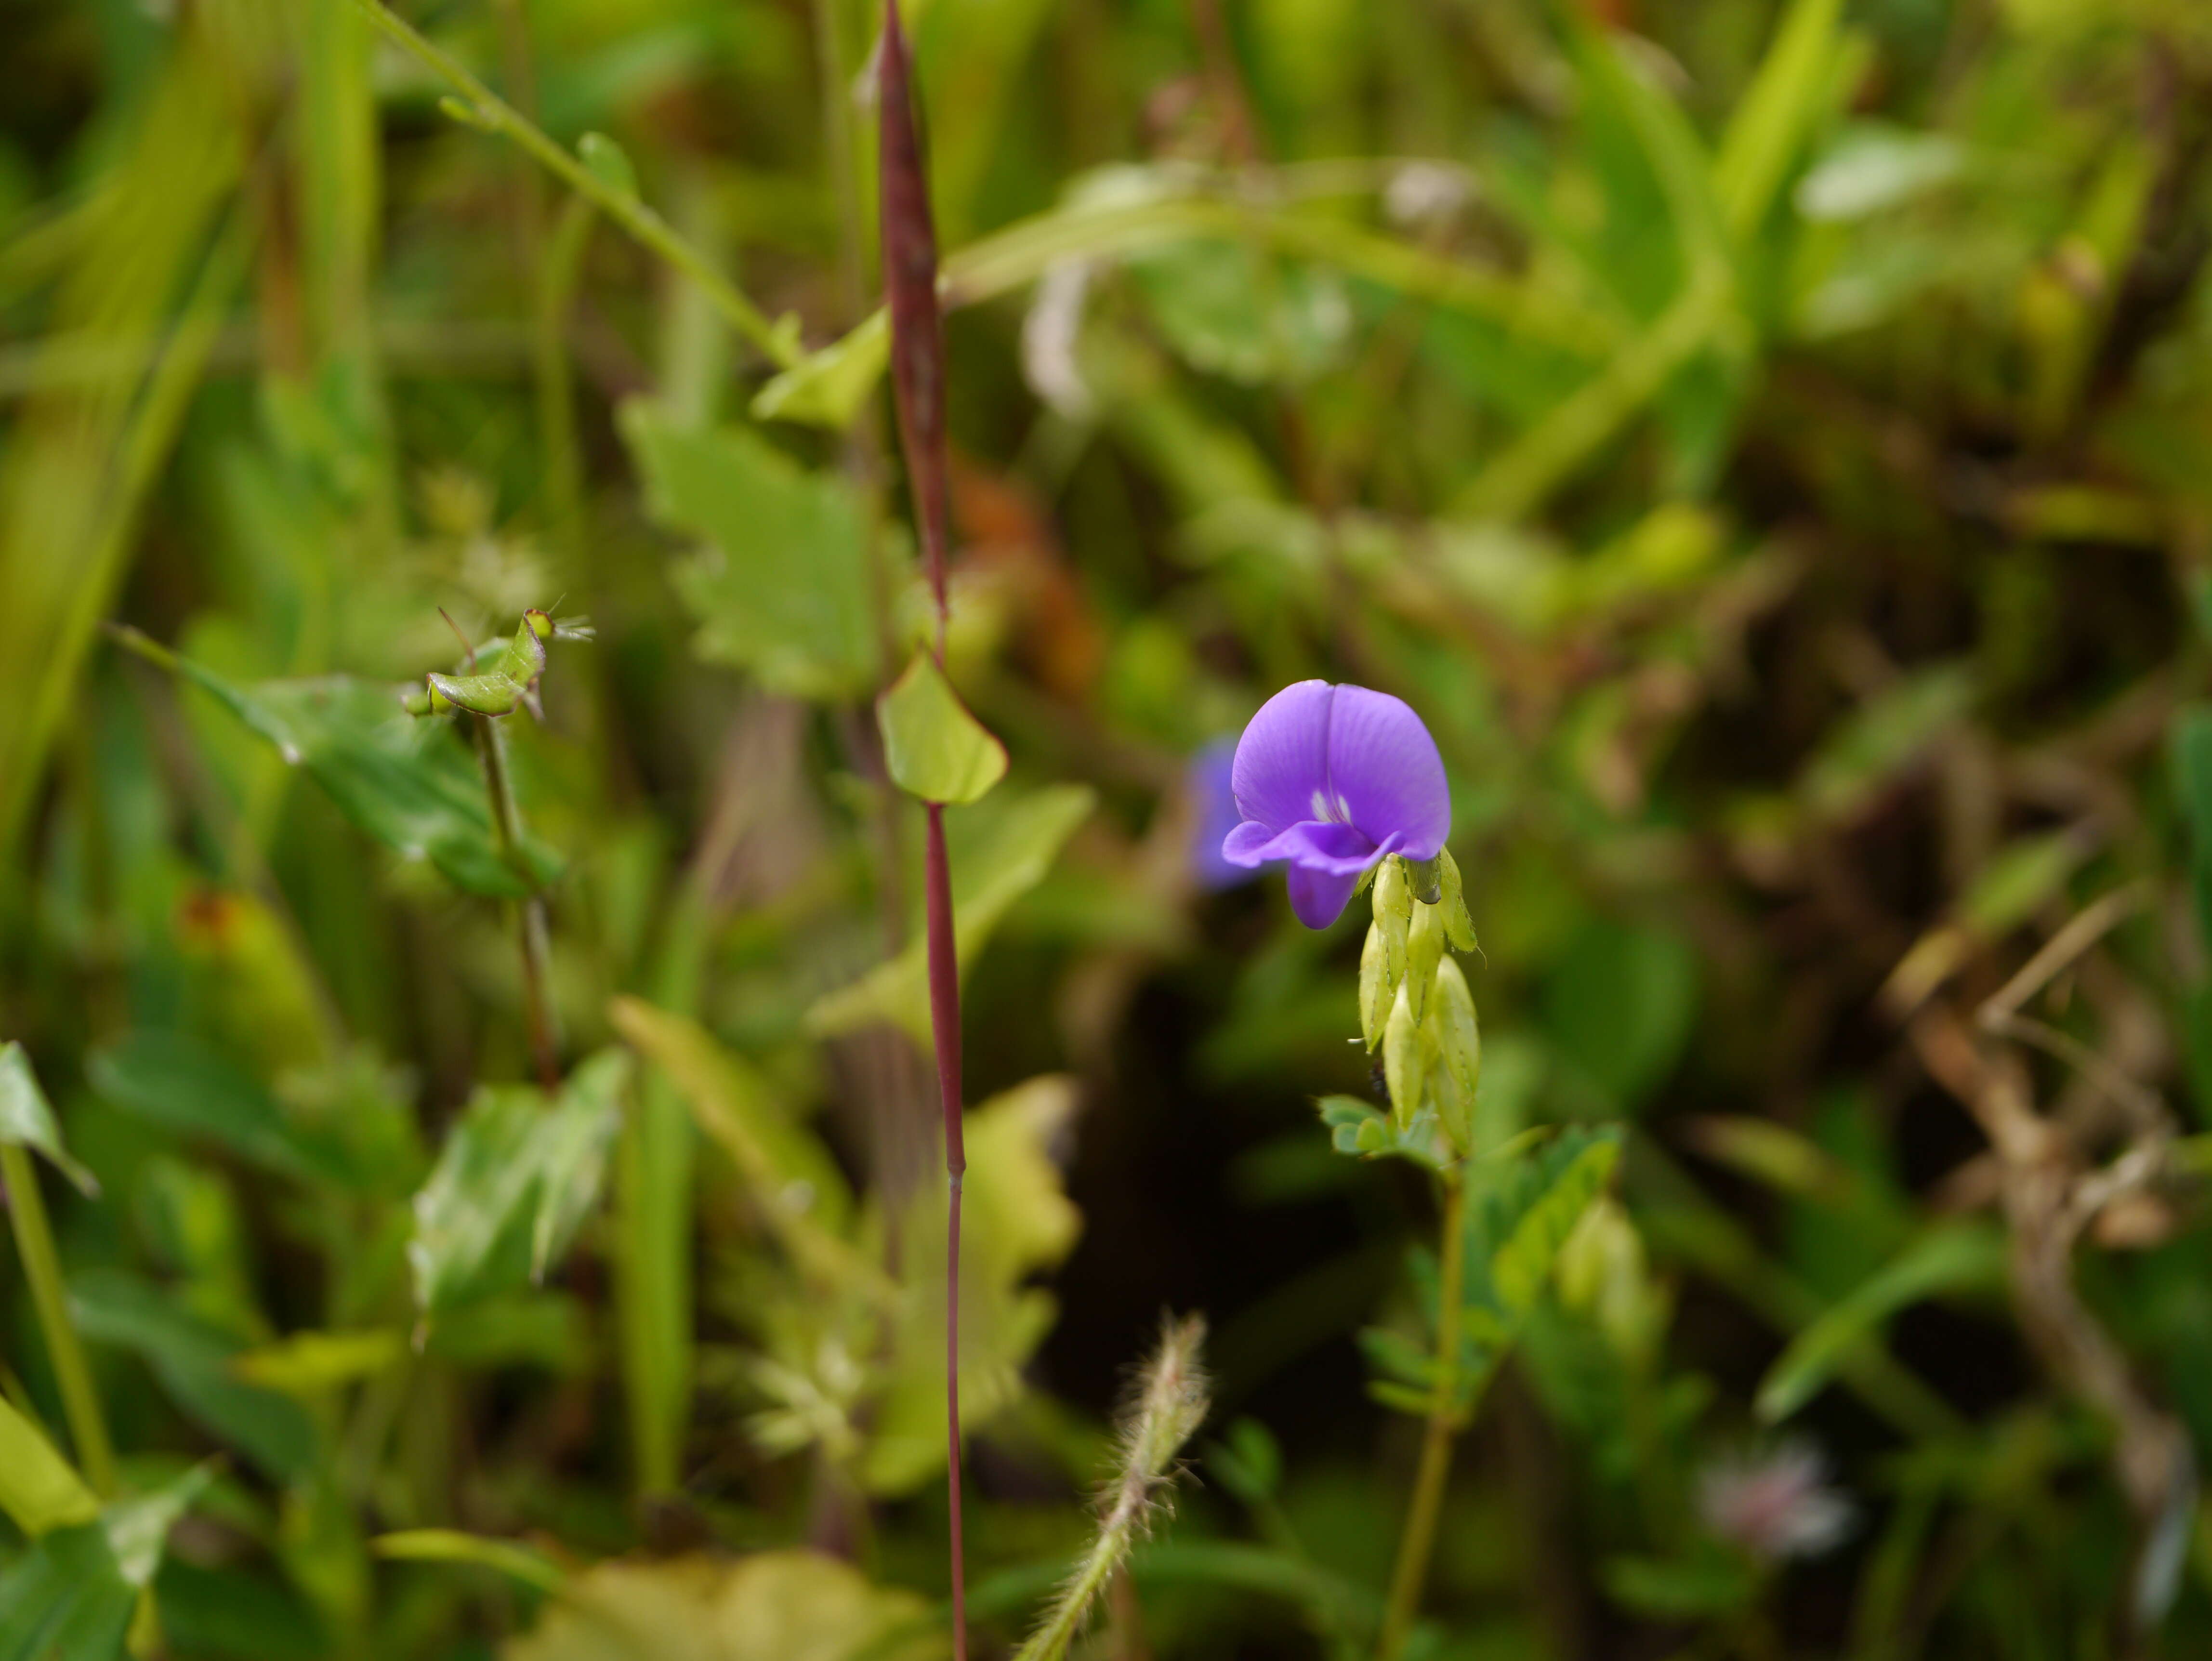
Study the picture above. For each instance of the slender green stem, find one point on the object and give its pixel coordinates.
(42, 1267)
(537, 949)
(1418, 1543)
(485, 109)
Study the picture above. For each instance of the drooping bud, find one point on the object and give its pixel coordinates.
(1424, 949)
(1459, 926)
(1375, 988)
(1394, 916)
(1404, 1061)
(1458, 1038)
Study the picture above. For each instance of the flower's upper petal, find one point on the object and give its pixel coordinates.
(1384, 770)
(1318, 897)
(1282, 760)
(1314, 845)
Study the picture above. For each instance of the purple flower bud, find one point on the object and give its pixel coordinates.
(1332, 779)
(1207, 781)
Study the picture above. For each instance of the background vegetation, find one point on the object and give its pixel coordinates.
(1769, 444)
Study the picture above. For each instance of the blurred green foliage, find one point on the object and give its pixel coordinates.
(1770, 441)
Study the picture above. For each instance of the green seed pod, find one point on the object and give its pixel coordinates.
(1375, 989)
(1459, 926)
(1394, 915)
(1404, 1061)
(1459, 1042)
(1424, 949)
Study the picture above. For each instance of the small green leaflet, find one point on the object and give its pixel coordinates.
(933, 746)
(27, 1118)
(830, 387)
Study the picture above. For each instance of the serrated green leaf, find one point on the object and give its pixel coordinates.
(27, 1117)
(782, 589)
(39, 1489)
(933, 747)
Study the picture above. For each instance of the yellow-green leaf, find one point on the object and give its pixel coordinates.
(39, 1488)
(933, 746)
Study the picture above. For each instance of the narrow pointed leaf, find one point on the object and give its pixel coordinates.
(27, 1118)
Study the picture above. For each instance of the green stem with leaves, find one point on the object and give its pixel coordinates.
(42, 1268)
(1418, 1543)
(536, 947)
(483, 108)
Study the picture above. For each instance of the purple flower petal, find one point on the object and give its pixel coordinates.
(1331, 779)
(1283, 755)
(1318, 897)
(1340, 849)
(1384, 771)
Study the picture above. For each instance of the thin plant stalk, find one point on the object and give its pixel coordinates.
(536, 947)
(481, 108)
(909, 260)
(1418, 1543)
(42, 1267)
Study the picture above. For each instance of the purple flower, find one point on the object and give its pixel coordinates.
(1332, 779)
(1207, 781)
(1776, 1503)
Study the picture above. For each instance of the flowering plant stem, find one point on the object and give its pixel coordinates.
(908, 237)
(485, 109)
(1418, 1543)
(507, 830)
(34, 1244)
